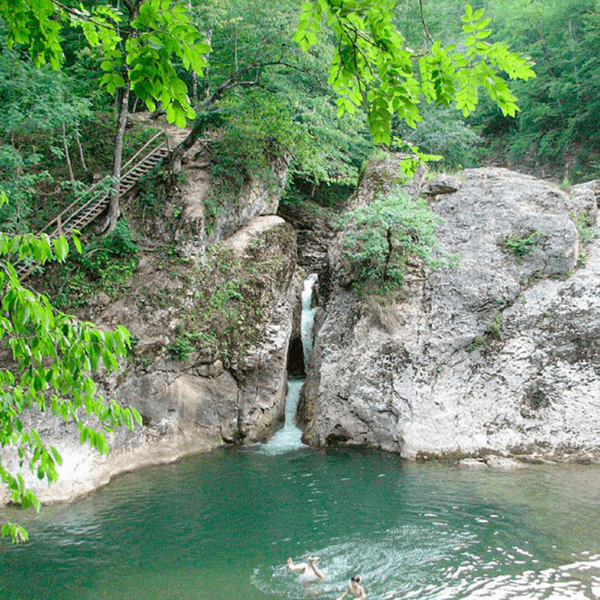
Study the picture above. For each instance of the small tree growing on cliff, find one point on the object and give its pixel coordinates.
(381, 237)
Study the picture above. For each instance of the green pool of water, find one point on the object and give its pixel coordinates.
(220, 526)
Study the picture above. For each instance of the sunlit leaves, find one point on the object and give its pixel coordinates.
(164, 31)
(100, 27)
(16, 532)
(33, 24)
(484, 62)
(375, 67)
(141, 48)
(54, 358)
(309, 25)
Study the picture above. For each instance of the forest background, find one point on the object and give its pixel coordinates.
(57, 127)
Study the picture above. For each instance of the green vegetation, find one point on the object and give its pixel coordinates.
(381, 237)
(478, 342)
(379, 67)
(260, 96)
(559, 121)
(128, 41)
(182, 347)
(54, 357)
(493, 332)
(495, 327)
(106, 265)
(587, 233)
(522, 243)
(231, 300)
(587, 230)
(556, 130)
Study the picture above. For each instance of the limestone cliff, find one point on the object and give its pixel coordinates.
(210, 310)
(497, 355)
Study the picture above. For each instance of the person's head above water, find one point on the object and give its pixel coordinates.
(354, 589)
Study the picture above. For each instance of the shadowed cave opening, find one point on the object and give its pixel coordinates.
(295, 361)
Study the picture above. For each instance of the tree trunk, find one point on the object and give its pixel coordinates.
(178, 152)
(388, 256)
(67, 155)
(114, 210)
(80, 149)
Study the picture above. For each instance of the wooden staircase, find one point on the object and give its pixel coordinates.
(89, 206)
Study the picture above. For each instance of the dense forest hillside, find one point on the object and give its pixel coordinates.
(264, 96)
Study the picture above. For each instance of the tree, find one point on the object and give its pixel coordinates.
(382, 236)
(444, 133)
(34, 102)
(140, 45)
(257, 70)
(372, 65)
(560, 119)
(53, 357)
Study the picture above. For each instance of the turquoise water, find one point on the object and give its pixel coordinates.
(221, 526)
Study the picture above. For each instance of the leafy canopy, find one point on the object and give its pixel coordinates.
(374, 66)
(143, 46)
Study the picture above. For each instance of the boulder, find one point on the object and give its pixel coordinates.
(498, 355)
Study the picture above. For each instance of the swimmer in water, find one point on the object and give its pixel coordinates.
(355, 589)
(309, 573)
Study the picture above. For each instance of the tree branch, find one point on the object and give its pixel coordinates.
(425, 29)
(84, 16)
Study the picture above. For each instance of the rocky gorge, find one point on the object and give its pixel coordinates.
(494, 357)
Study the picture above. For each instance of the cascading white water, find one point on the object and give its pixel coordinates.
(307, 320)
(289, 436)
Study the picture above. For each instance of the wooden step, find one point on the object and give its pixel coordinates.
(82, 216)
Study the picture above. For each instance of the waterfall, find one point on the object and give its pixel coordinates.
(308, 317)
(289, 436)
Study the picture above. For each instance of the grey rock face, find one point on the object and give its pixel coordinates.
(497, 355)
(200, 229)
(191, 405)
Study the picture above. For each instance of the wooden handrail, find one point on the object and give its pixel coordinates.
(70, 207)
(96, 196)
(141, 162)
(104, 181)
(73, 215)
(140, 150)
